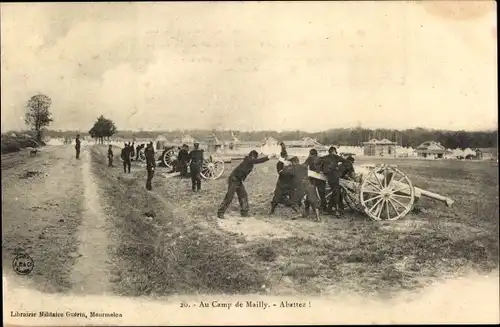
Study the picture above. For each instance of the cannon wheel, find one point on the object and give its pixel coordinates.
(381, 193)
(168, 157)
(212, 168)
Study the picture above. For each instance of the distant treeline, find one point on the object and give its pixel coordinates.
(340, 136)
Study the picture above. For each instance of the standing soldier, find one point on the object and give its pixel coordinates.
(132, 151)
(126, 158)
(235, 183)
(110, 156)
(77, 146)
(283, 185)
(315, 163)
(332, 172)
(195, 165)
(149, 152)
(183, 159)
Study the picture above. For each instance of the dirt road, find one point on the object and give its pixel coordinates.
(51, 211)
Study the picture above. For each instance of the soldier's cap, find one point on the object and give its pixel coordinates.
(294, 159)
(253, 153)
(332, 149)
(313, 152)
(350, 158)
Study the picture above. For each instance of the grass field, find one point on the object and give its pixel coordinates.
(169, 240)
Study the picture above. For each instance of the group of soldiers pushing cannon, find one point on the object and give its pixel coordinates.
(294, 186)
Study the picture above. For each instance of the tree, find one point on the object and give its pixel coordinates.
(102, 128)
(38, 113)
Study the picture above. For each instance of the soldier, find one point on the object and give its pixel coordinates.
(315, 163)
(110, 156)
(132, 150)
(302, 187)
(183, 159)
(195, 165)
(125, 155)
(283, 158)
(77, 146)
(149, 152)
(235, 183)
(331, 170)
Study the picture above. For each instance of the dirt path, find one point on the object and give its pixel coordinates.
(41, 210)
(91, 271)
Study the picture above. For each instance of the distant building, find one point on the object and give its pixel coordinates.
(487, 153)
(431, 149)
(270, 142)
(381, 148)
(305, 142)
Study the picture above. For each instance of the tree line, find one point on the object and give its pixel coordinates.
(38, 117)
(340, 136)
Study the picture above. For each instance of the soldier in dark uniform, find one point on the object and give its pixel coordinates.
(195, 165)
(182, 160)
(315, 163)
(302, 187)
(110, 156)
(235, 183)
(77, 146)
(125, 155)
(149, 152)
(331, 170)
(283, 185)
(132, 151)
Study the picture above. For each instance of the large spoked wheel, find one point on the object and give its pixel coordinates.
(386, 193)
(142, 155)
(168, 157)
(212, 168)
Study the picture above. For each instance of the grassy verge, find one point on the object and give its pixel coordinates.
(159, 252)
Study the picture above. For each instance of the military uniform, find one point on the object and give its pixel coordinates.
(125, 155)
(77, 147)
(283, 186)
(183, 159)
(110, 157)
(346, 170)
(302, 187)
(235, 185)
(196, 163)
(332, 173)
(150, 166)
(315, 164)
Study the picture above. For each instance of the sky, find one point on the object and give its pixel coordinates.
(252, 65)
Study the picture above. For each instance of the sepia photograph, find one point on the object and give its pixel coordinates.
(249, 163)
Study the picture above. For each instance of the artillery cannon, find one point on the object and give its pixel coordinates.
(382, 192)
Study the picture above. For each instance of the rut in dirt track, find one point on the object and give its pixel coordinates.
(91, 270)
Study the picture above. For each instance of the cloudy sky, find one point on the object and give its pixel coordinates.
(255, 65)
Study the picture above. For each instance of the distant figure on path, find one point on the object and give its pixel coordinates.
(77, 146)
(235, 183)
(183, 159)
(149, 152)
(125, 155)
(195, 165)
(110, 156)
